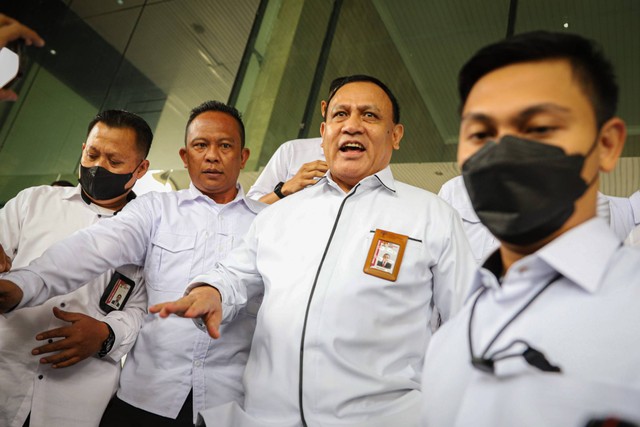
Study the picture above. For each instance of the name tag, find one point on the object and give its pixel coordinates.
(385, 255)
(117, 293)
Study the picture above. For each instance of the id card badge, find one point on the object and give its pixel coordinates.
(117, 293)
(385, 255)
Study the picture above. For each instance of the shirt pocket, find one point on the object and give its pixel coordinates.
(170, 261)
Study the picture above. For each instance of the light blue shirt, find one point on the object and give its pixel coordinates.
(175, 236)
(585, 323)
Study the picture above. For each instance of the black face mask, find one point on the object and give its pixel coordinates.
(523, 190)
(101, 184)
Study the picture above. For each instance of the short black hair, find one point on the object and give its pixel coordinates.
(221, 107)
(589, 65)
(336, 84)
(125, 119)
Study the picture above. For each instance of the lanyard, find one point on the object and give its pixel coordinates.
(532, 356)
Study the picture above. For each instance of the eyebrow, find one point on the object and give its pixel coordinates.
(523, 115)
(358, 107)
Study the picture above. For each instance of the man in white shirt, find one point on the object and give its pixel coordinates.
(338, 341)
(173, 370)
(62, 368)
(545, 337)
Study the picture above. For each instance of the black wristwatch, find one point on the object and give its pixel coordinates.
(108, 343)
(278, 190)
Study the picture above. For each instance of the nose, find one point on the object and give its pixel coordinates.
(353, 124)
(212, 154)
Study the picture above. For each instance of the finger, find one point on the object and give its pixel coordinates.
(69, 362)
(51, 346)
(16, 30)
(213, 324)
(67, 316)
(8, 95)
(57, 358)
(173, 307)
(61, 332)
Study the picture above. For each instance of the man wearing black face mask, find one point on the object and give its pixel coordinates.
(547, 336)
(60, 362)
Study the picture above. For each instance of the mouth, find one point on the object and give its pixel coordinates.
(352, 146)
(211, 172)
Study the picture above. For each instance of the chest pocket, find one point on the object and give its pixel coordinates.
(170, 261)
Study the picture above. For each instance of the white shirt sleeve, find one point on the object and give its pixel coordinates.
(454, 271)
(275, 171)
(236, 277)
(86, 254)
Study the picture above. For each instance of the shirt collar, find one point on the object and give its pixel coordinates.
(581, 255)
(382, 178)
(193, 193)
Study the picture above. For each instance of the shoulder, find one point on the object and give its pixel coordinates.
(254, 206)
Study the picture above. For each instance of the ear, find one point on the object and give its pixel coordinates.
(611, 142)
(322, 125)
(183, 156)
(397, 134)
(323, 107)
(244, 157)
(142, 169)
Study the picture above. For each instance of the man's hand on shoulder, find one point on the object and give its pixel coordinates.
(307, 175)
(10, 295)
(81, 339)
(204, 302)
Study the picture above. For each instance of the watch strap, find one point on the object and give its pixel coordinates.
(278, 190)
(108, 343)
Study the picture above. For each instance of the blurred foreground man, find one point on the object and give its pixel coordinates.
(546, 338)
(340, 340)
(60, 362)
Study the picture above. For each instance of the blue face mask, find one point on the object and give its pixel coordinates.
(524, 190)
(101, 184)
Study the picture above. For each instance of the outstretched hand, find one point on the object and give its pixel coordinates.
(11, 29)
(81, 339)
(204, 302)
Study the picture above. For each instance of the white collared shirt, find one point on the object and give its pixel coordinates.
(582, 323)
(365, 336)
(75, 396)
(285, 163)
(175, 236)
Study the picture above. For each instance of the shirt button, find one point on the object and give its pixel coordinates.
(40, 377)
(198, 363)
